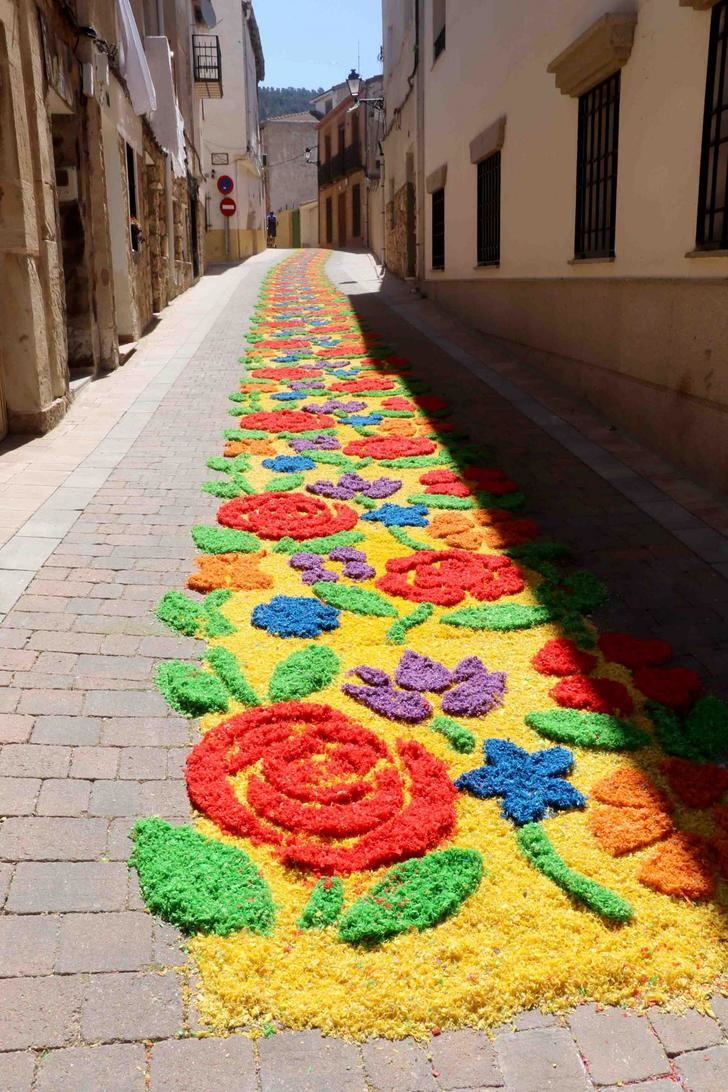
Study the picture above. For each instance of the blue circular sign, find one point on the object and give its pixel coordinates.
(225, 184)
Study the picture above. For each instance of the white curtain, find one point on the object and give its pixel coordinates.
(133, 63)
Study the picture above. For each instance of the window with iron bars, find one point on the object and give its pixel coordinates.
(596, 170)
(712, 231)
(356, 210)
(438, 229)
(489, 197)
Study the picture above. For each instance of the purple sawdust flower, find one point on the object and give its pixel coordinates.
(372, 676)
(358, 570)
(382, 487)
(415, 672)
(305, 560)
(478, 690)
(391, 703)
(347, 553)
(324, 488)
(320, 443)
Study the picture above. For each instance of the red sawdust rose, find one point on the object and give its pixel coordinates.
(286, 515)
(315, 778)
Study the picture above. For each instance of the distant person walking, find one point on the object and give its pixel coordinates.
(272, 227)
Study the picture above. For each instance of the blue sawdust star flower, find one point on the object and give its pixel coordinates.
(289, 464)
(295, 616)
(530, 783)
(363, 419)
(399, 515)
(287, 396)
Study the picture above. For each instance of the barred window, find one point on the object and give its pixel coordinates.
(712, 233)
(596, 170)
(356, 210)
(438, 229)
(489, 176)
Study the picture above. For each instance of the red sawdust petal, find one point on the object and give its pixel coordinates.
(286, 421)
(562, 657)
(697, 785)
(680, 867)
(592, 695)
(634, 652)
(672, 686)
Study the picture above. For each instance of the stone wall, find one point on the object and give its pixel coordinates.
(400, 232)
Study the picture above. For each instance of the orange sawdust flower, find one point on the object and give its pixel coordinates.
(491, 527)
(398, 426)
(249, 447)
(241, 572)
(636, 814)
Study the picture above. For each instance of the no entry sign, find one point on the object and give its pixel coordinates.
(225, 184)
(228, 206)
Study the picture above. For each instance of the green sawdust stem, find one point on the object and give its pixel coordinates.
(410, 462)
(303, 673)
(701, 736)
(180, 613)
(325, 904)
(224, 540)
(441, 500)
(332, 458)
(357, 600)
(318, 545)
(406, 540)
(228, 671)
(417, 894)
(189, 691)
(397, 632)
(598, 731)
(217, 623)
(365, 502)
(460, 739)
(534, 844)
(198, 884)
(501, 616)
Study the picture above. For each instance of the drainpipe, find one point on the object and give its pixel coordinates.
(420, 128)
(160, 17)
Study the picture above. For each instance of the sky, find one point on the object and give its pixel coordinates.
(313, 43)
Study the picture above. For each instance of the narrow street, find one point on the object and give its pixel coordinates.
(97, 993)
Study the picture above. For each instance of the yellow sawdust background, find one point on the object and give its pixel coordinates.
(519, 941)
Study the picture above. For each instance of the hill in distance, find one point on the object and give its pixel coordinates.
(275, 101)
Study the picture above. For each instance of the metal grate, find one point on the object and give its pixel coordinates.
(489, 196)
(596, 170)
(438, 229)
(207, 64)
(712, 233)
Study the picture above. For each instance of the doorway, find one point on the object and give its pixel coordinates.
(342, 218)
(192, 190)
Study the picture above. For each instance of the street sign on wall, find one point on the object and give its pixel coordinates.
(225, 184)
(228, 206)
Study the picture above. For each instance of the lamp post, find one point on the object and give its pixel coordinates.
(354, 82)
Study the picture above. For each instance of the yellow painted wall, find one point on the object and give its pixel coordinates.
(244, 242)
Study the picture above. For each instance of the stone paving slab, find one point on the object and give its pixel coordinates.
(93, 992)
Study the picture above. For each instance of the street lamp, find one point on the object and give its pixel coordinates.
(354, 82)
(308, 153)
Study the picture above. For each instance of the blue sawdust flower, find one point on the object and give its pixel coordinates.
(399, 515)
(530, 783)
(363, 419)
(289, 464)
(287, 396)
(295, 616)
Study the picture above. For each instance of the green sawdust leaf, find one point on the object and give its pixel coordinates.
(416, 894)
(534, 843)
(535, 554)
(703, 734)
(303, 673)
(441, 500)
(224, 540)
(325, 904)
(224, 490)
(357, 600)
(228, 671)
(500, 616)
(331, 458)
(217, 623)
(397, 632)
(190, 691)
(569, 597)
(283, 483)
(599, 731)
(198, 884)
(460, 738)
(181, 613)
(318, 545)
(406, 540)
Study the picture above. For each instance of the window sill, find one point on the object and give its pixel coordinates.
(487, 265)
(437, 269)
(591, 261)
(706, 253)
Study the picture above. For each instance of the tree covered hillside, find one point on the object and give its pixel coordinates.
(275, 101)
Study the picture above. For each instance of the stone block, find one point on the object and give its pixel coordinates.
(124, 703)
(143, 763)
(39, 1012)
(617, 1045)
(465, 1059)
(94, 762)
(114, 798)
(71, 731)
(189, 1065)
(131, 1006)
(27, 944)
(309, 1062)
(18, 795)
(66, 797)
(704, 1070)
(15, 728)
(119, 1066)
(43, 839)
(16, 1071)
(34, 760)
(104, 942)
(689, 1031)
(542, 1060)
(398, 1066)
(47, 887)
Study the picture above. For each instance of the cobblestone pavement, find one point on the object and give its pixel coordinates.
(94, 994)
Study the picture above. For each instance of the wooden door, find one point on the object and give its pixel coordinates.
(342, 219)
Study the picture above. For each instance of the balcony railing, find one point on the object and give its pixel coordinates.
(207, 66)
(324, 174)
(341, 164)
(352, 158)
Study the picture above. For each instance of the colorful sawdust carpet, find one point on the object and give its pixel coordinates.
(430, 793)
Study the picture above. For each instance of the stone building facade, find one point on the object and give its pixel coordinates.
(570, 167)
(101, 186)
(290, 176)
(350, 195)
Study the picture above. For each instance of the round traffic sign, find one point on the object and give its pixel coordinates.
(225, 184)
(228, 206)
